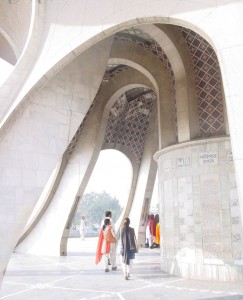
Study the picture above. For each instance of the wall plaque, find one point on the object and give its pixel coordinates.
(183, 161)
(208, 158)
(229, 156)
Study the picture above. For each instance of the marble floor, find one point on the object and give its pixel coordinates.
(76, 277)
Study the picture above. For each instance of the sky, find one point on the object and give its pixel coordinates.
(113, 174)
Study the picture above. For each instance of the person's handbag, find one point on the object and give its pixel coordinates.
(109, 237)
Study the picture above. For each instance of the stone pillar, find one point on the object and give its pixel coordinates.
(146, 178)
(201, 233)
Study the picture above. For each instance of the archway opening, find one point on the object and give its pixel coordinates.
(108, 189)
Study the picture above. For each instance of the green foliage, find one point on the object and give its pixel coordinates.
(93, 206)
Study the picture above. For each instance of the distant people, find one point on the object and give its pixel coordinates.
(128, 244)
(104, 245)
(112, 259)
(147, 233)
(82, 228)
(157, 231)
(151, 230)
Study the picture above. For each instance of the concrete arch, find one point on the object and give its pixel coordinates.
(40, 79)
(12, 97)
(136, 66)
(228, 51)
(86, 161)
(135, 168)
(63, 165)
(151, 63)
(139, 66)
(111, 99)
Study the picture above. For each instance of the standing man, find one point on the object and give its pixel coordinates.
(151, 229)
(112, 259)
(82, 228)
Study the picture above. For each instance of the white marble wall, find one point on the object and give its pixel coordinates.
(35, 143)
(201, 228)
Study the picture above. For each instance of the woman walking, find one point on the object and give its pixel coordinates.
(106, 237)
(128, 249)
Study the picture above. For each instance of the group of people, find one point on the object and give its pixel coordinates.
(152, 238)
(127, 244)
(106, 247)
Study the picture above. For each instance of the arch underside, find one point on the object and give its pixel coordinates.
(162, 88)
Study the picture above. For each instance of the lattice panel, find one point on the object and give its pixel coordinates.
(128, 123)
(208, 84)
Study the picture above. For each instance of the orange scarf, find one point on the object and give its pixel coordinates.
(99, 247)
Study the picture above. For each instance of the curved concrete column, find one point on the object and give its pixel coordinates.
(145, 181)
(200, 219)
(11, 96)
(69, 93)
(53, 227)
(35, 143)
(186, 96)
(174, 46)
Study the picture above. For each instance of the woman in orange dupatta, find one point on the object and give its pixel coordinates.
(157, 231)
(103, 247)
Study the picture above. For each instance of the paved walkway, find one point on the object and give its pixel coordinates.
(76, 277)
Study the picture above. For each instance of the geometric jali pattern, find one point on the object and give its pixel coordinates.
(128, 123)
(208, 84)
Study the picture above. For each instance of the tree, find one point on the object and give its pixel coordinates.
(94, 205)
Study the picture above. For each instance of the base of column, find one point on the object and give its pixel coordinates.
(202, 271)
